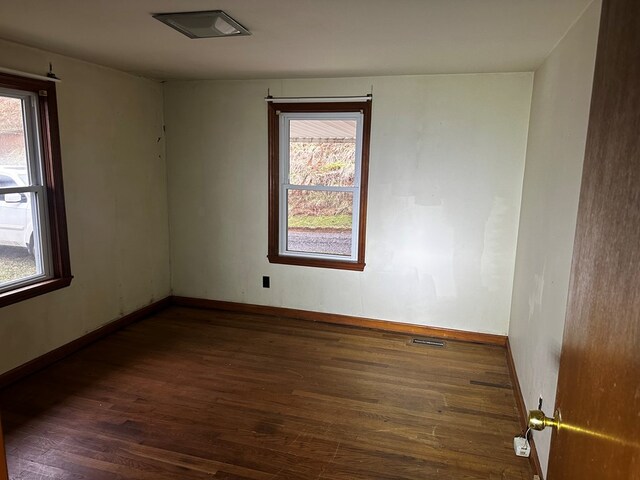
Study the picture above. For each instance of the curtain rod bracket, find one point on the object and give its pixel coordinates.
(50, 74)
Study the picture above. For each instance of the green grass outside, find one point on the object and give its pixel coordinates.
(320, 221)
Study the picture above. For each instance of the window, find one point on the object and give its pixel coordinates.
(34, 254)
(318, 171)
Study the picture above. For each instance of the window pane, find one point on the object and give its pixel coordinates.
(13, 152)
(322, 152)
(319, 222)
(19, 258)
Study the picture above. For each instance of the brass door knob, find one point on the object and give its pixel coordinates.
(539, 421)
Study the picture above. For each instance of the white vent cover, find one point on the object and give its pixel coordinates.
(214, 23)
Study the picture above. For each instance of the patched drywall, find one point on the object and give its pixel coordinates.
(115, 184)
(446, 168)
(555, 153)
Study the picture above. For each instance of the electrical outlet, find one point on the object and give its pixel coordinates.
(266, 282)
(521, 446)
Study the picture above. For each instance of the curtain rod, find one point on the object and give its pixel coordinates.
(362, 98)
(29, 75)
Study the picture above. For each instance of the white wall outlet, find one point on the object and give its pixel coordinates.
(521, 446)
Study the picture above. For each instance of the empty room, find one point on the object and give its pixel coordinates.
(319, 239)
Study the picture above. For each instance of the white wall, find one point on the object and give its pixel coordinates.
(115, 184)
(557, 135)
(447, 159)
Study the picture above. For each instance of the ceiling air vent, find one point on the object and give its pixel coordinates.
(214, 23)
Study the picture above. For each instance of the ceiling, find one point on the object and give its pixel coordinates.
(299, 38)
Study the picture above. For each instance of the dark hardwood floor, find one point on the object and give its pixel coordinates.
(196, 394)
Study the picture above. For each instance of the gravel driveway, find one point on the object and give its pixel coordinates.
(333, 242)
(15, 263)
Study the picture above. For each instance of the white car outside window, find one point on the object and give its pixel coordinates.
(16, 225)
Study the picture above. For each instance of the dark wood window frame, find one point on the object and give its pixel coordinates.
(60, 273)
(274, 108)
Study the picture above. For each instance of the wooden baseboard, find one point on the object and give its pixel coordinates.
(347, 320)
(65, 350)
(522, 411)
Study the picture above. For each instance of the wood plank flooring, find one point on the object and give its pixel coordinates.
(196, 394)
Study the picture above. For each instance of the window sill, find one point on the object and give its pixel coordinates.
(33, 290)
(316, 262)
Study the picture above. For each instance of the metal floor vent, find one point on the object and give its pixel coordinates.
(428, 342)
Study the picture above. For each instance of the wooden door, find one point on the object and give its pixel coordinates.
(4, 475)
(599, 380)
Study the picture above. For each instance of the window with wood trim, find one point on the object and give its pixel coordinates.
(34, 252)
(318, 172)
